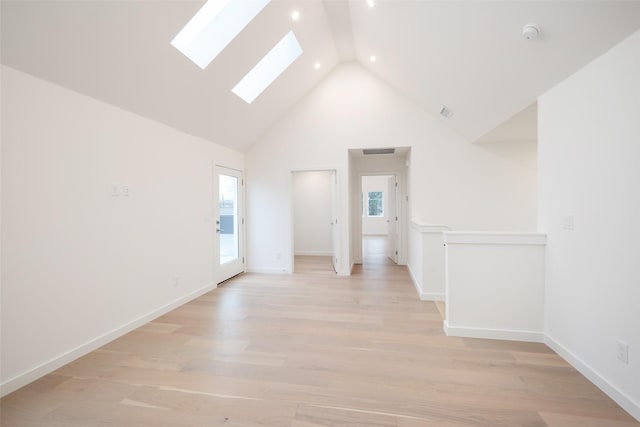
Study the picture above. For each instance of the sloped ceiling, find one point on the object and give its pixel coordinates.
(469, 56)
(119, 52)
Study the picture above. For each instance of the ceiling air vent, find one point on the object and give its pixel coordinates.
(446, 112)
(367, 151)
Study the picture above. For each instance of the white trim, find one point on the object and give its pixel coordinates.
(268, 270)
(45, 368)
(493, 238)
(415, 281)
(432, 296)
(424, 227)
(345, 272)
(424, 296)
(313, 253)
(494, 334)
(609, 389)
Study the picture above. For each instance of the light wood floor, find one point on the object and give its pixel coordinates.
(312, 349)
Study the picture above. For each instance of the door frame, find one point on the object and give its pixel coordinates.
(402, 210)
(395, 218)
(336, 244)
(220, 274)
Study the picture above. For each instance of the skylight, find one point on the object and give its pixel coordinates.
(269, 68)
(214, 26)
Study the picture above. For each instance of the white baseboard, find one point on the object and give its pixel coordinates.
(609, 389)
(424, 296)
(493, 334)
(45, 368)
(345, 272)
(430, 296)
(314, 253)
(415, 281)
(268, 270)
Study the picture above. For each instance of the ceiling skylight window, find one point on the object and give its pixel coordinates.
(214, 26)
(269, 68)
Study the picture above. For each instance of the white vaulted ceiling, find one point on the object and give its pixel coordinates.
(469, 56)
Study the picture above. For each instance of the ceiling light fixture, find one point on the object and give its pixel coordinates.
(372, 58)
(295, 15)
(371, 3)
(530, 31)
(317, 65)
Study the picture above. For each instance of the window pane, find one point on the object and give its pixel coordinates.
(228, 218)
(375, 204)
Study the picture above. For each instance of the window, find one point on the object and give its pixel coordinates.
(213, 27)
(374, 205)
(269, 68)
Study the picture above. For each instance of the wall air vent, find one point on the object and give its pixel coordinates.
(368, 151)
(446, 112)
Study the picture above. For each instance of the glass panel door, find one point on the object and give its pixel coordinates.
(229, 223)
(228, 218)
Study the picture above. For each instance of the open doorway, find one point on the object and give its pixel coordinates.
(384, 241)
(379, 219)
(314, 213)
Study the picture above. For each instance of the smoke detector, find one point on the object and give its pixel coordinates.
(530, 31)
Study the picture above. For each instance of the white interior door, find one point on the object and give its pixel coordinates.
(229, 223)
(334, 221)
(392, 218)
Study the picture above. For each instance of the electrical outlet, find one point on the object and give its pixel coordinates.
(622, 351)
(176, 281)
(278, 255)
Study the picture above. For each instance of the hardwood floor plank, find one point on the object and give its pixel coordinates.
(312, 349)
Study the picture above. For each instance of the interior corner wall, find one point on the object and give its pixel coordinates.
(312, 212)
(454, 182)
(79, 264)
(589, 175)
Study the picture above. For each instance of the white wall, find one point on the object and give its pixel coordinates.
(375, 225)
(453, 182)
(426, 261)
(589, 168)
(80, 266)
(495, 285)
(312, 212)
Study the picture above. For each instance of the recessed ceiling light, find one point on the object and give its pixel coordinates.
(372, 58)
(269, 68)
(213, 27)
(371, 3)
(295, 15)
(317, 65)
